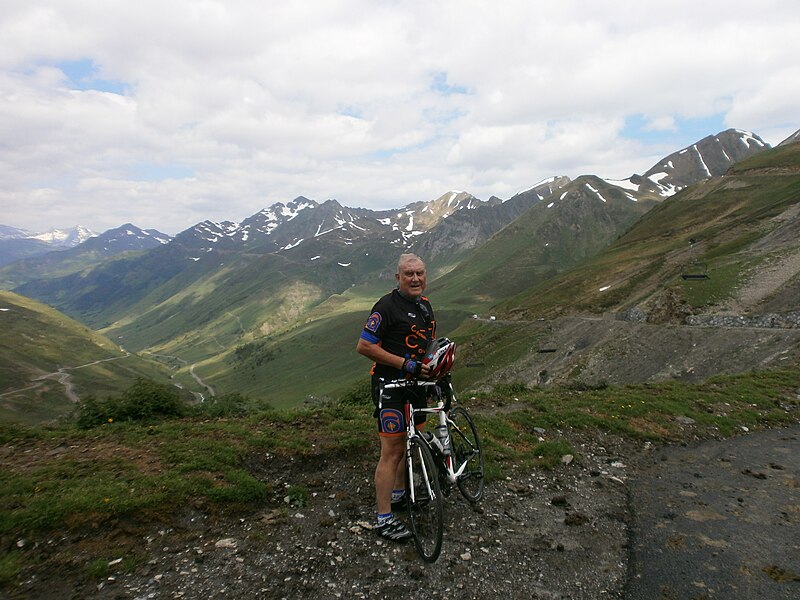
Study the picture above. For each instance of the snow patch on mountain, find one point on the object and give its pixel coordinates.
(626, 184)
(597, 192)
(293, 244)
(750, 140)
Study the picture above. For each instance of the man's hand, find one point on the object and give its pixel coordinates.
(413, 366)
(416, 368)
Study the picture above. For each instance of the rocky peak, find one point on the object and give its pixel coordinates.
(710, 157)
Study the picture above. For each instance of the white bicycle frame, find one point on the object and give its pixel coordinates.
(444, 419)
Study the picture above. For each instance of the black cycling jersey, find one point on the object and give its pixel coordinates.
(402, 327)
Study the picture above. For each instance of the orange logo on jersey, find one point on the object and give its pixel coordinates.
(418, 338)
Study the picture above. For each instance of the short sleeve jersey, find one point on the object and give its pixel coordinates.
(402, 327)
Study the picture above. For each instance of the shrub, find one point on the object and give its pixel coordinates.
(253, 354)
(92, 412)
(511, 389)
(145, 400)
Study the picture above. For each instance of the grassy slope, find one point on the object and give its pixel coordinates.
(726, 216)
(38, 340)
(315, 357)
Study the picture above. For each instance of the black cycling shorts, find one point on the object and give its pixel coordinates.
(390, 408)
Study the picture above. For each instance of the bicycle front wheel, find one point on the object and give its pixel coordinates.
(425, 513)
(467, 451)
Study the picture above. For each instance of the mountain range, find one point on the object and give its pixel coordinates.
(18, 243)
(71, 256)
(256, 304)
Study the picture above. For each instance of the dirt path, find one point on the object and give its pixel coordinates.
(201, 383)
(720, 520)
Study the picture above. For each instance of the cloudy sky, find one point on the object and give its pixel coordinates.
(168, 113)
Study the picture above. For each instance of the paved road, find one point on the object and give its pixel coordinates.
(720, 520)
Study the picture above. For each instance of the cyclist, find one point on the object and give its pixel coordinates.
(395, 337)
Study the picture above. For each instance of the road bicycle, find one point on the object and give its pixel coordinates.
(436, 462)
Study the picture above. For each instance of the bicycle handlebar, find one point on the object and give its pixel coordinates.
(400, 383)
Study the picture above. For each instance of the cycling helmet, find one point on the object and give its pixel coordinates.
(440, 357)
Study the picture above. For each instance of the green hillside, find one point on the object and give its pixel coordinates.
(47, 361)
(314, 358)
(724, 228)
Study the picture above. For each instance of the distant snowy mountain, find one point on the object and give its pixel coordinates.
(16, 243)
(13, 233)
(125, 238)
(65, 238)
(284, 226)
(47, 259)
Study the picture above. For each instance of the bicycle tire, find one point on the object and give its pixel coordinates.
(425, 513)
(466, 446)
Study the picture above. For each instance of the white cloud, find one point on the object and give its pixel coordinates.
(218, 109)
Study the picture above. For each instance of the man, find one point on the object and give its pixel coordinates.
(395, 337)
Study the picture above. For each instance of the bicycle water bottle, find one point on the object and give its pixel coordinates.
(443, 438)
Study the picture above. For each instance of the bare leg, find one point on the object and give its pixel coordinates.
(400, 476)
(390, 467)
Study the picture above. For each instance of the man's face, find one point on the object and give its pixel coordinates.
(411, 278)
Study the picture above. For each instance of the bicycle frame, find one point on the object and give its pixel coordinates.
(432, 472)
(445, 462)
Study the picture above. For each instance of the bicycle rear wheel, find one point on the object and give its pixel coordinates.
(467, 449)
(425, 514)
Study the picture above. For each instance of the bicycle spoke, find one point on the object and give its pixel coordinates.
(467, 452)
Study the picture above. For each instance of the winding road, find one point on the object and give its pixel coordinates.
(64, 378)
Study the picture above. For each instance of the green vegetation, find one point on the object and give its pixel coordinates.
(719, 286)
(145, 401)
(779, 157)
(42, 352)
(10, 565)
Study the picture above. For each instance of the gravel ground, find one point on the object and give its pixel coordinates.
(547, 534)
(626, 520)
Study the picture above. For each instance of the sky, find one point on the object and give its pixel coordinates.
(164, 114)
